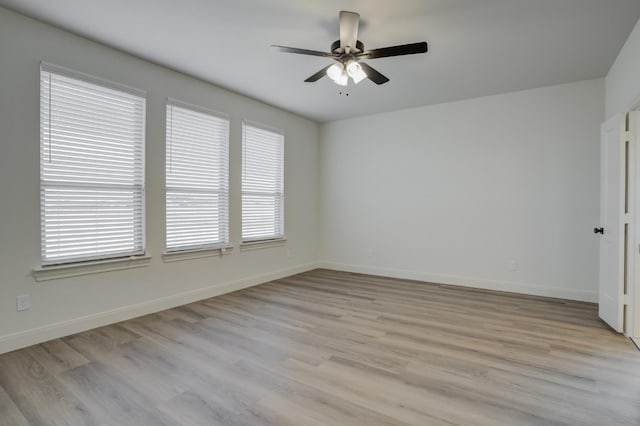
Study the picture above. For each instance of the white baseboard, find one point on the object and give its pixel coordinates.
(514, 287)
(33, 336)
(37, 335)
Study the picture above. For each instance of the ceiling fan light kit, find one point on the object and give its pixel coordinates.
(348, 53)
(340, 73)
(355, 71)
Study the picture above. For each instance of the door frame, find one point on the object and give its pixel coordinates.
(633, 309)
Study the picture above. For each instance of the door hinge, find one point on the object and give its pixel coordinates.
(626, 300)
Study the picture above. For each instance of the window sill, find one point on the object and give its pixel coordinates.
(47, 273)
(177, 256)
(262, 244)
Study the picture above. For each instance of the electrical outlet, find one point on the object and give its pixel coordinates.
(513, 265)
(23, 303)
(369, 252)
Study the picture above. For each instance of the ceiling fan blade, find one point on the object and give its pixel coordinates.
(286, 49)
(373, 75)
(403, 49)
(317, 76)
(349, 22)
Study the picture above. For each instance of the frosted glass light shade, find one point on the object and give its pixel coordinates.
(335, 71)
(354, 70)
(338, 74)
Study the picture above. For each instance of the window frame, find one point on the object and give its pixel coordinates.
(176, 253)
(134, 255)
(263, 240)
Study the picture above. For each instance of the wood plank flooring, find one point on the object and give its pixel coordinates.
(332, 348)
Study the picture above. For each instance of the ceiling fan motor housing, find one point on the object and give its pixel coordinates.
(335, 47)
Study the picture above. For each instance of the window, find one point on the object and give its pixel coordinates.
(91, 168)
(262, 184)
(197, 178)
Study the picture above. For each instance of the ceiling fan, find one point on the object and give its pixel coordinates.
(348, 53)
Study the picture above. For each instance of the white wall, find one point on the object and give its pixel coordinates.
(623, 79)
(454, 193)
(67, 305)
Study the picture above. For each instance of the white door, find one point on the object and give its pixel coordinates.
(612, 226)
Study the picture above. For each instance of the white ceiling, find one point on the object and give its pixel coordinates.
(477, 47)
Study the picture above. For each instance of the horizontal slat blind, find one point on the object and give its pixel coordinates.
(197, 187)
(262, 184)
(91, 169)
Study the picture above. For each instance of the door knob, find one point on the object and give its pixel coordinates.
(598, 231)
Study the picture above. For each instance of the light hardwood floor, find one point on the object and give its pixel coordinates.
(330, 348)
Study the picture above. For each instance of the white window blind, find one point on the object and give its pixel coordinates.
(262, 184)
(91, 168)
(197, 187)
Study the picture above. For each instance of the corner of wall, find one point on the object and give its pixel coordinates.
(622, 92)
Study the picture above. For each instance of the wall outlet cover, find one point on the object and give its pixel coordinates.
(23, 302)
